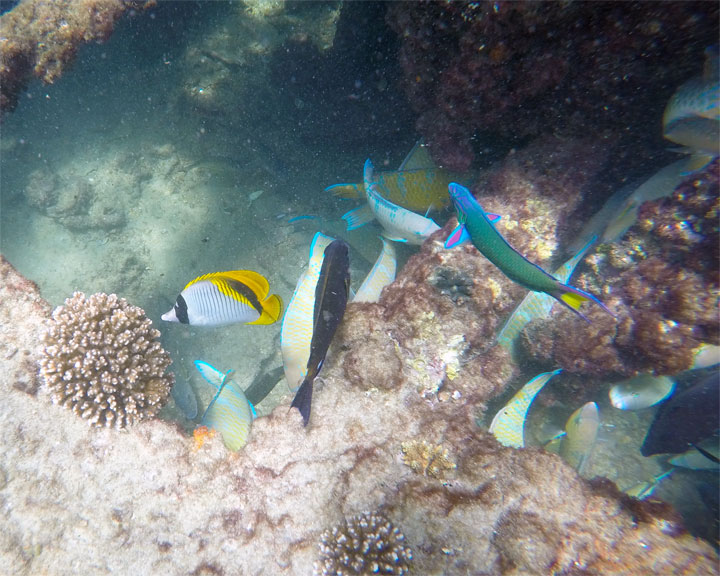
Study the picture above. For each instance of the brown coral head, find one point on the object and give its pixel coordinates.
(364, 544)
(102, 360)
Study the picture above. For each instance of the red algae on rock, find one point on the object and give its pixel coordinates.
(518, 69)
(664, 291)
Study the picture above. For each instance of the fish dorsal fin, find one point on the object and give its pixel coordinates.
(256, 282)
(317, 248)
(418, 158)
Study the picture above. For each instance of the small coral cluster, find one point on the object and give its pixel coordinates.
(102, 359)
(427, 459)
(364, 544)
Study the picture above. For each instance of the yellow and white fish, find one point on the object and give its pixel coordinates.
(297, 324)
(229, 412)
(220, 298)
(381, 275)
(580, 436)
(705, 355)
(508, 426)
(642, 391)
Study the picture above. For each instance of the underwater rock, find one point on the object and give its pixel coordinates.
(666, 297)
(40, 38)
(149, 499)
(101, 359)
(475, 71)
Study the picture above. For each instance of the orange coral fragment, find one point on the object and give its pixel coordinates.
(201, 434)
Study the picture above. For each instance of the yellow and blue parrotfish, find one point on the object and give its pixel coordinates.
(297, 325)
(381, 275)
(692, 116)
(229, 412)
(417, 185)
(398, 223)
(640, 392)
(580, 435)
(537, 304)
(508, 426)
(220, 298)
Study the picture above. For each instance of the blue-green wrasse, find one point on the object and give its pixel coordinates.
(476, 226)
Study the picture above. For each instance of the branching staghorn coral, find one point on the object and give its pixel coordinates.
(364, 544)
(102, 360)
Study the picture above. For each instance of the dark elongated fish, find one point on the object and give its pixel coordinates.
(263, 385)
(331, 296)
(686, 419)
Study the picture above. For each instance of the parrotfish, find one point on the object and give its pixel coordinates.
(221, 298)
(381, 275)
(229, 412)
(692, 116)
(476, 226)
(508, 426)
(297, 325)
(686, 419)
(537, 304)
(398, 223)
(705, 355)
(417, 185)
(581, 432)
(641, 392)
(331, 297)
(615, 221)
(644, 490)
(704, 456)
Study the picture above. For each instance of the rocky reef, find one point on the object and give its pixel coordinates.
(40, 38)
(152, 500)
(479, 70)
(661, 280)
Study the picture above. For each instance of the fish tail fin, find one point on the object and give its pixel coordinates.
(358, 217)
(346, 190)
(271, 310)
(303, 400)
(572, 298)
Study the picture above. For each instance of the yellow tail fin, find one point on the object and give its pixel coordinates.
(272, 308)
(573, 300)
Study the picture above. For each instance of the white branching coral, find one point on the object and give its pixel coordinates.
(102, 360)
(365, 544)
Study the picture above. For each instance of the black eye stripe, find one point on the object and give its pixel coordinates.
(181, 311)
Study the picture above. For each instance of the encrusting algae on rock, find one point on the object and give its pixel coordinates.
(103, 361)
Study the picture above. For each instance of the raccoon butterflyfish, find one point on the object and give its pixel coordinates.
(220, 298)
